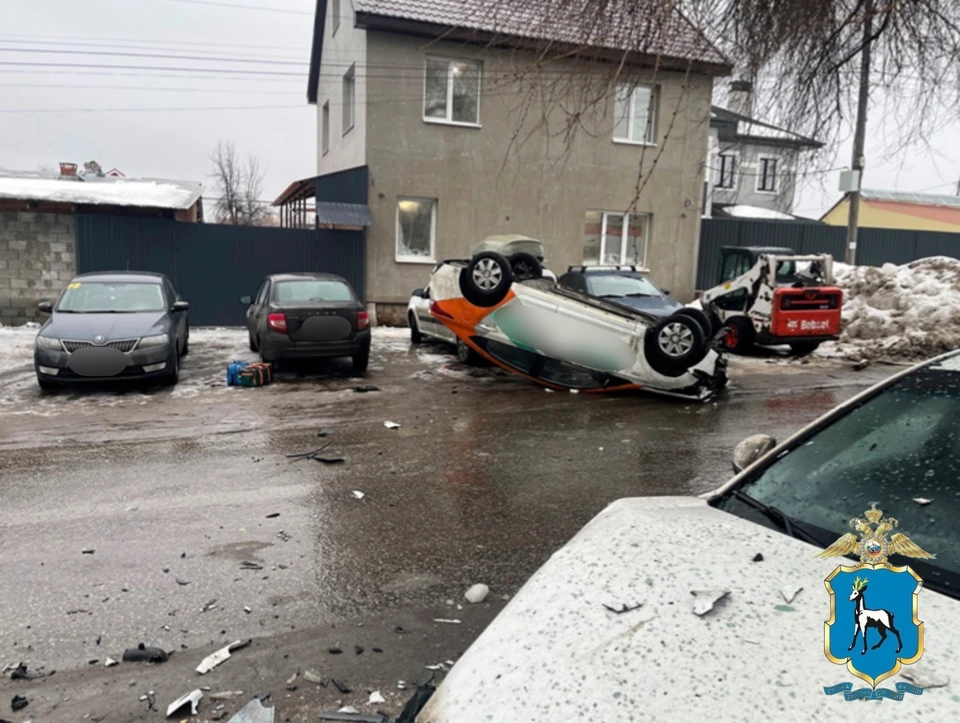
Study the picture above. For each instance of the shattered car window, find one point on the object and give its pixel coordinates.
(621, 285)
(294, 291)
(900, 449)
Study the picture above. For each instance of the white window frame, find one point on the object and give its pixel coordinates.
(431, 259)
(325, 127)
(335, 16)
(631, 112)
(733, 179)
(448, 120)
(349, 108)
(624, 235)
(776, 175)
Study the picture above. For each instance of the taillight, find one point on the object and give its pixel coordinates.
(277, 322)
(363, 320)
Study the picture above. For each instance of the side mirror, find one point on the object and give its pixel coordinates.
(666, 292)
(246, 300)
(418, 293)
(751, 449)
(180, 306)
(45, 307)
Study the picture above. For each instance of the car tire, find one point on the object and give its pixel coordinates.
(467, 355)
(415, 336)
(361, 362)
(701, 317)
(486, 279)
(186, 345)
(525, 266)
(738, 335)
(173, 376)
(675, 344)
(804, 348)
(253, 344)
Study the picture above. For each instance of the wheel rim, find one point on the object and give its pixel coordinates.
(463, 351)
(676, 339)
(731, 337)
(487, 274)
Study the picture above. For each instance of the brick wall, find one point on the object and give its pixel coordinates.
(37, 259)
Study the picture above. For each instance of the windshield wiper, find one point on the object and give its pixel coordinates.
(639, 293)
(780, 518)
(610, 296)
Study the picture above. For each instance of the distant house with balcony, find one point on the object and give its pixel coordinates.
(417, 137)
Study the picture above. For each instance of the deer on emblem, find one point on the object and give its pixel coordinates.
(865, 618)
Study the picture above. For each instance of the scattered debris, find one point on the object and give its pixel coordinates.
(358, 649)
(273, 515)
(226, 695)
(477, 594)
(292, 678)
(87, 551)
(312, 677)
(758, 557)
(109, 663)
(363, 388)
(334, 651)
(330, 460)
(790, 592)
(705, 600)
(247, 610)
(358, 494)
(254, 712)
(436, 666)
(391, 425)
(19, 703)
(375, 698)
(353, 715)
(324, 433)
(80, 611)
(453, 621)
(264, 696)
(624, 609)
(416, 703)
(182, 582)
(861, 365)
(924, 677)
(922, 501)
(193, 698)
(400, 631)
(143, 654)
(209, 606)
(212, 661)
(341, 686)
(377, 650)
(247, 565)
(19, 672)
(349, 709)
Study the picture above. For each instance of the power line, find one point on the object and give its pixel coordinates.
(152, 88)
(243, 7)
(40, 47)
(151, 55)
(151, 67)
(243, 79)
(65, 40)
(147, 110)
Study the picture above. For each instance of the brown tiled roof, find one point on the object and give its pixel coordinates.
(621, 25)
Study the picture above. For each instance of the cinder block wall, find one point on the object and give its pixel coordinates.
(37, 259)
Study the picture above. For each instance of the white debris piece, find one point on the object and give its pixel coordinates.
(922, 501)
(705, 600)
(349, 709)
(254, 712)
(358, 494)
(212, 661)
(391, 425)
(447, 621)
(312, 677)
(477, 594)
(375, 698)
(436, 666)
(789, 592)
(110, 662)
(193, 698)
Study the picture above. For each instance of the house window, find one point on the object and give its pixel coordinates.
(416, 229)
(325, 128)
(349, 83)
(335, 15)
(616, 238)
(635, 114)
(452, 91)
(726, 170)
(767, 177)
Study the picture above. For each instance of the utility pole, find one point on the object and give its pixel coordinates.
(859, 138)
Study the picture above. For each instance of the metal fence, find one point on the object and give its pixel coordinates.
(875, 246)
(213, 265)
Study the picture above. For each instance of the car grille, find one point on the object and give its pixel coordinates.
(124, 345)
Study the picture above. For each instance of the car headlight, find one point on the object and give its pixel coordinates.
(155, 340)
(49, 342)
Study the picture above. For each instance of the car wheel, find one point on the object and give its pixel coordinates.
(467, 355)
(415, 336)
(803, 348)
(486, 280)
(709, 330)
(253, 344)
(675, 344)
(361, 362)
(525, 266)
(186, 344)
(173, 376)
(738, 334)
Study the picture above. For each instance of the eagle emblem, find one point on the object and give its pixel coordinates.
(873, 547)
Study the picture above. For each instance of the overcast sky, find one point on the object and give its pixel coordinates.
(168, 143)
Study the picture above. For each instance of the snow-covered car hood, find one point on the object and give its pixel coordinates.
(556, 654)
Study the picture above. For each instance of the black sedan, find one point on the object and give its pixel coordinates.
(622, 285)
(115, 325)
(308, 316)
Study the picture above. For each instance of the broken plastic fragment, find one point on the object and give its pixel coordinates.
(143, 654)
(212, 661)
(758, 557)
(247, 565)
(624, 608)
(375, 698)
(193, 698)
(312, 677)
(790, 592)
(87, 551)
(110, 662)
(19, 703)
(226, 695)
(358, 494)
(477, 594)
(922, 501)
(348, 709)
(341, 686)
(705, 600)
(453, 621)
(437, 666)
(254, 712)
(391, 425)
(209, 606)
(355, 717)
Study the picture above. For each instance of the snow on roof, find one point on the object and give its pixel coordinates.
(147, 193)
(921, 199)
(743, 211)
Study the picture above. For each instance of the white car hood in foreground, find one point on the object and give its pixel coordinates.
(556, 654)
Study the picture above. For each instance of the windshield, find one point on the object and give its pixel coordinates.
(900, 449)
(86, 297)
(291, 292)
(621, 285)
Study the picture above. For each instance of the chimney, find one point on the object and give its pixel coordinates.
(68, 170)
(740, 97)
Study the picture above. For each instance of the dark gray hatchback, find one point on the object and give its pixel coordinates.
(308, 316)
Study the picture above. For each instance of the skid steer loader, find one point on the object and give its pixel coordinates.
(772, 296)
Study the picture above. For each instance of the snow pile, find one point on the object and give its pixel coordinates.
(900, 313)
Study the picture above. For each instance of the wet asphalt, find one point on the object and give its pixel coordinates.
(194, 512)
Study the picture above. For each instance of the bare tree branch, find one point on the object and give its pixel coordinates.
(239, 185)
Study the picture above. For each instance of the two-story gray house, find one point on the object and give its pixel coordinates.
(751, 164)
(450, 122)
